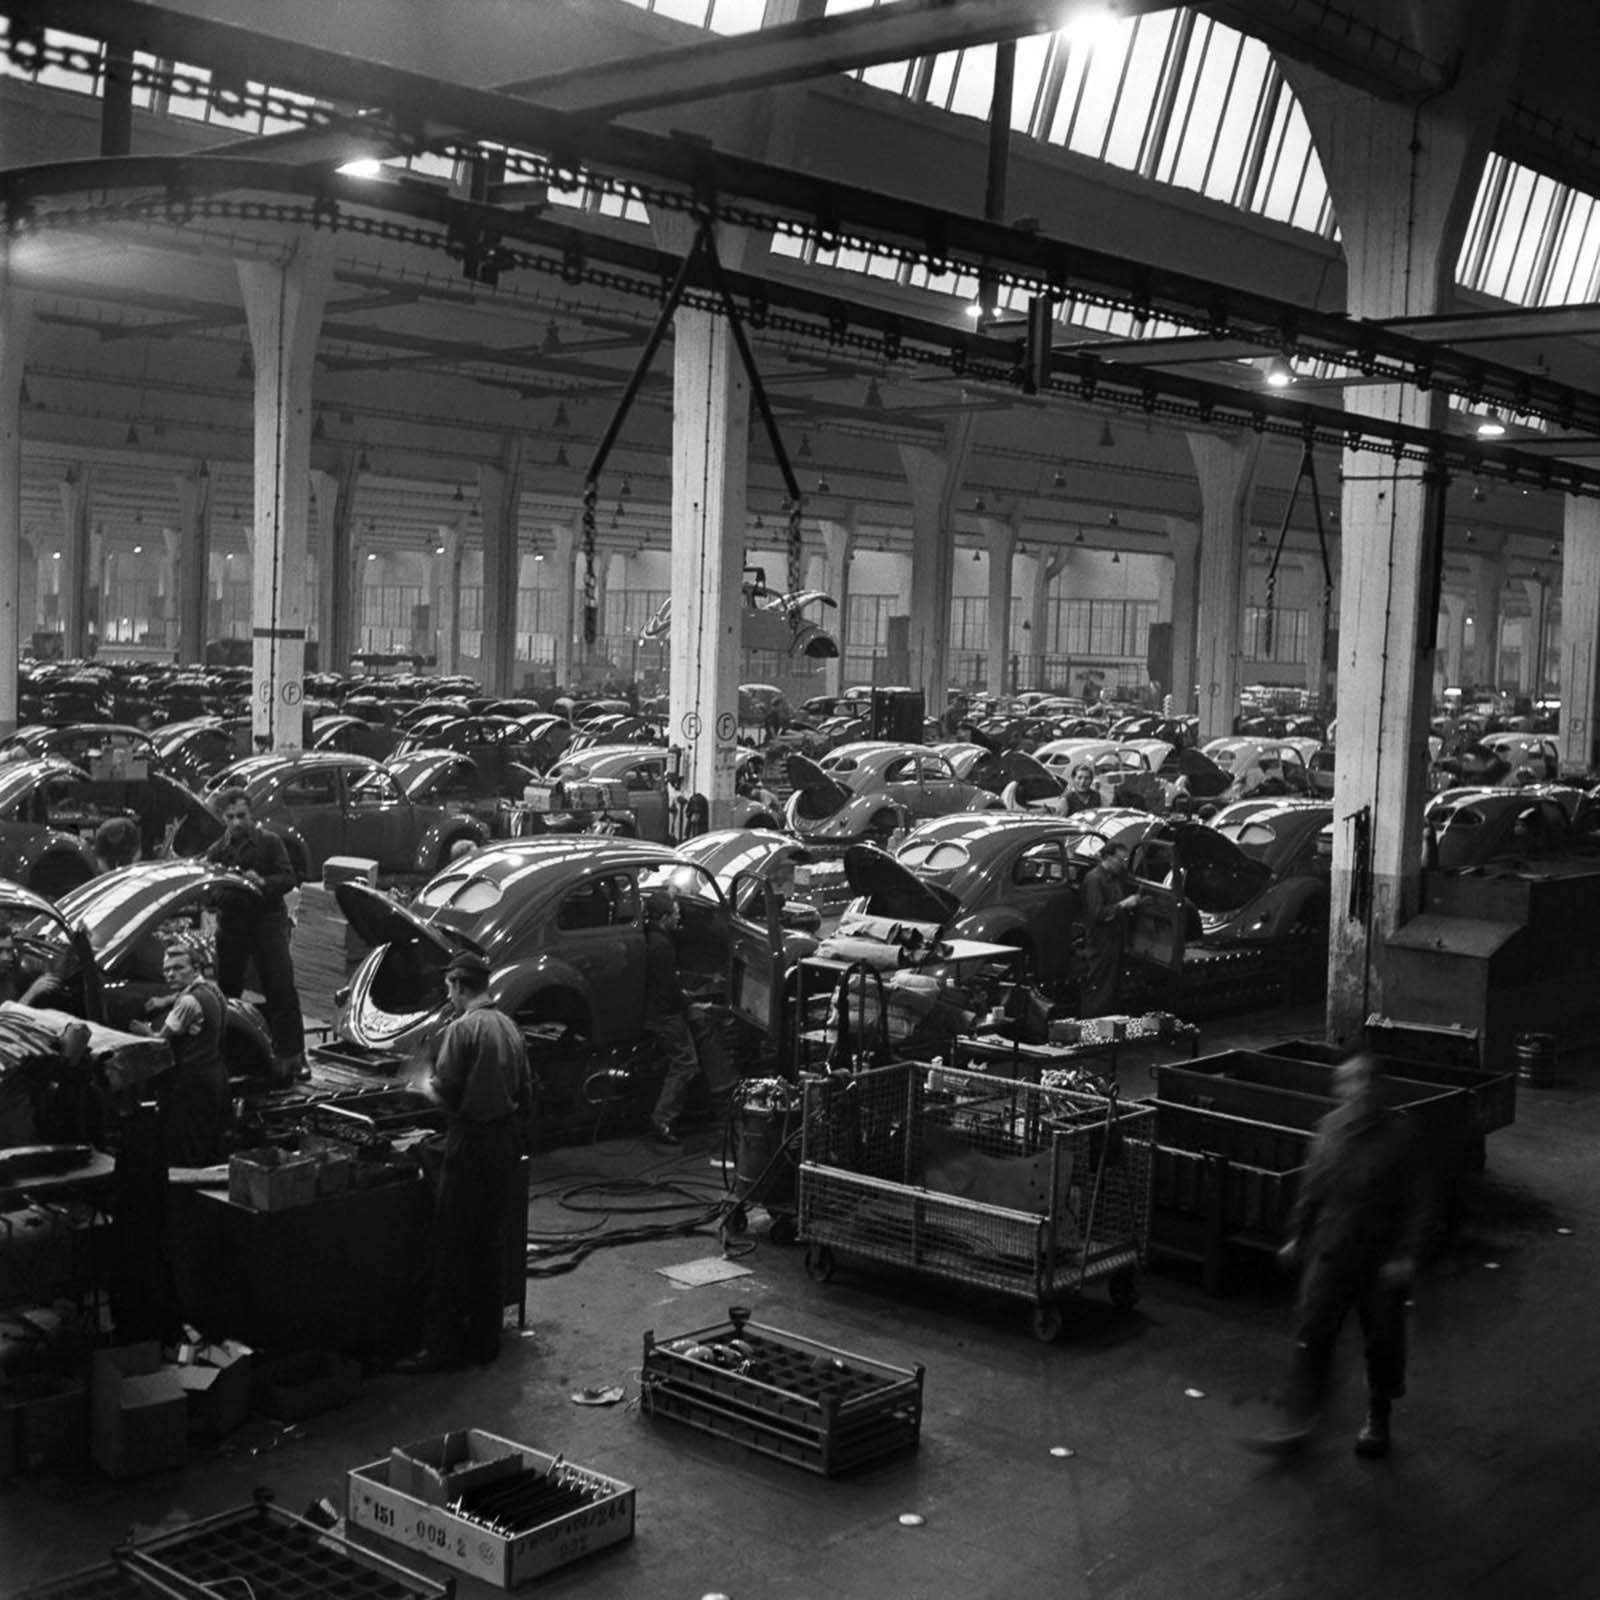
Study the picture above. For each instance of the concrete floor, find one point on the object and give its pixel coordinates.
(1490, 1492)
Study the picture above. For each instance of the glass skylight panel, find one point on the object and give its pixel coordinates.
(1033, 56)
(974, 90)
(940, 79)
(63, 77)
(737, 16)
(690, 11)
(895, 76)
(1573, 271)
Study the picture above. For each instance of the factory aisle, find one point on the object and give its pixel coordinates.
(1489, 1492)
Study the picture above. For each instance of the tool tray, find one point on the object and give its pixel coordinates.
(791, 1397)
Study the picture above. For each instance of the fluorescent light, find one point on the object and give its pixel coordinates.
(363, 167)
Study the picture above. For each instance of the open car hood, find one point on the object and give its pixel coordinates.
(1218, 876)
(22, 905)
(895, 891)
(380, 920)
(824, 795)
(1033, 779)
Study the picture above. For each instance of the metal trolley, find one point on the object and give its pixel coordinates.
(1029, 1192)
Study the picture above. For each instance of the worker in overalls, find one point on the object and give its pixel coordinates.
(192, 1099)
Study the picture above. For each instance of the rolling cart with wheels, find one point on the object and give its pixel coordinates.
(1033, 1194)
(765, 1127)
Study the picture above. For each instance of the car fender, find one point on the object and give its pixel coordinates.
(300, 855)
(454, 825)
(24, 847)
(516, 986)
(246, 1040)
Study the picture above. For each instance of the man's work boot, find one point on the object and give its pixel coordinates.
(1372, 1442)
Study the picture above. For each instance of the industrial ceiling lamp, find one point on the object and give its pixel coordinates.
(1108, 440)
(1079, 539)
(1116, 558)
(1059, 481)
(1490, 425)
(561, 457)
(460, 495)
(1113, 520)
(1279, 373)
(627, 487)
(874, 400)
(1555, 551)
(1471, 537)
(823, 486)
(804, 452)
(1478, 495)
(980, 505)
(562, 419)
(977, 554)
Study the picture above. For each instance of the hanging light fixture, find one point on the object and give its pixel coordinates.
(1113, 520)
(804, 452)
(759, 523)
(1079, 539)
(133, 434)
(1555, 551)
(627, 486)
(1491, 425)
(874, 399)
(1116, 558)
(823, 487)
(1478, 495)
(1471, 537)
(980, 505)
(562, 419)
(1108, 440)
(460, 494)
(561, 457)
(1279, 373)
(1059, 481)
(977, 554)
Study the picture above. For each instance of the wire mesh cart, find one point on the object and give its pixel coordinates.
(1029, 1192)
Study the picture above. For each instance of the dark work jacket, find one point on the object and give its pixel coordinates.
(264, 852)
(663, 993)
(193, 1096)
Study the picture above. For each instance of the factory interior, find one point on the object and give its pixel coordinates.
(798, 798)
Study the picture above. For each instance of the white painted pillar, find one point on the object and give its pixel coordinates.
(16, 318)
(838, 544)
(1488, 584)
(1402, 180)
(711, 407)
(1580, 633)
(1226, 470)
(1000, 539)
(283, 302)
(1044, 577)
(935, 477)
(499, 499)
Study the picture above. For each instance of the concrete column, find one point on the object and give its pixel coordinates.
(935, 477)
(1402, 181)
(1488, 582)
(172, 590)
(1180, 601)
(1045, 575)
(838, 544)
(16, 321)
(711, 408)
(1580, 633)
(499, 499)
(447, 600)
(1226, 470)
(1000, 539)
(1535, 635)
(77, 495)
(564, 617)
(338, 617)
(283, 303)
(192, 590)
(27, 590)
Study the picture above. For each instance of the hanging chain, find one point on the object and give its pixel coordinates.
(591, 587)
(796, 553)
(1266, 622)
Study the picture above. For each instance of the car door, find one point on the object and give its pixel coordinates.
(647, 795)
(902, 783)
(941, 791)
(598, 931)
(380, 823)
(1037, 882)
(310, 802)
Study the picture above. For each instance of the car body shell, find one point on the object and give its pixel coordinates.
(107, 937)
(559, 920)
(873, 788)
(1473, 826)
(51, 808)
(325, 804)
(642, 770)
(192, 750)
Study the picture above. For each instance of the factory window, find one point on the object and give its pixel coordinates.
(867, 626)
(1288, 634)
(969, 622)
(1103, 629)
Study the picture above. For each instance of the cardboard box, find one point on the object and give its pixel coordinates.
(216, 1378)
(374, 1505)
(271, 1179)
(139, 1413)
(439, 1469)
(349, 869)
(52, 1417)
(310, 1382)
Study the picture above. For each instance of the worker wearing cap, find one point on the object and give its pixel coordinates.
(482, 1079)
(682, 1031)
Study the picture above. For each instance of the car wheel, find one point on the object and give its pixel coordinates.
(447, 849)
